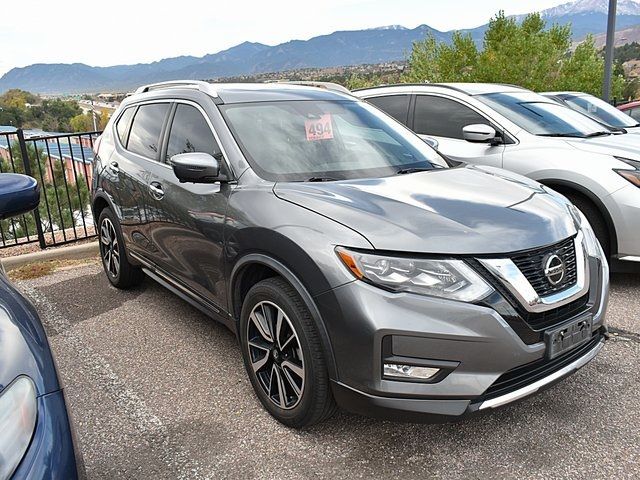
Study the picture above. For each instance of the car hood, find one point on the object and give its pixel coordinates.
(625, 145)
(470, 210)
(24, 349)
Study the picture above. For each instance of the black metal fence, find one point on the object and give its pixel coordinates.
(61, 163)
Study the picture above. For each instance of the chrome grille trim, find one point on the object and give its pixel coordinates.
(514, 280)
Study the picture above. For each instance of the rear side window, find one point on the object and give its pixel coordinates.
(144, 138)
(395, 105)
(441, 117)
(190, 132)
(122, 127)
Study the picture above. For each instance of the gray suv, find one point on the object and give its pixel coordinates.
(354, 265)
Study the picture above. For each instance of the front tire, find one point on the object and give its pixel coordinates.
(283, 355)
(116, 265)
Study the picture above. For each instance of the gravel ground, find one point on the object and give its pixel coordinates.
(159, 391)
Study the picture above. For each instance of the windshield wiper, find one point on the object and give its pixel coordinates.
(567, 135)
(322, 179)
(598, 134)
(405, 171)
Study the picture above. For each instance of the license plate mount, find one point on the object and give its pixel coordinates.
(568, 336)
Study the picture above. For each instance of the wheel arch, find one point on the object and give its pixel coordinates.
(99, 203)
(565, 186)
(260, 266)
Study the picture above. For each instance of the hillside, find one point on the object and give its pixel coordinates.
(371, 46)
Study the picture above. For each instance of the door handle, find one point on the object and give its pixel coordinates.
(113, 167)
(156, 190)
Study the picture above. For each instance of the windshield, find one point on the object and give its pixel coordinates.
(540, 116)
(601, 111)
(305, 140)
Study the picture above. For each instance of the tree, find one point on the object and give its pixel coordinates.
(433, 61)
(53, 115)
(84, 122)
(527, 54)
(17, 98)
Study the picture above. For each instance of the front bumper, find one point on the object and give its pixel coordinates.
(52, 453)
(482, 348)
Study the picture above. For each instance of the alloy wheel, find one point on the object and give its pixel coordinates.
(110, 248)
(276, 355)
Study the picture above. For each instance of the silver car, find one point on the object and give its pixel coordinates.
(517, 129)
(597, 109)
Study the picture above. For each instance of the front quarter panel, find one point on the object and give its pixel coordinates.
(303, 241)
(550, 159)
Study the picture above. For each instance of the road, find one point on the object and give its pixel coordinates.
(158, 391)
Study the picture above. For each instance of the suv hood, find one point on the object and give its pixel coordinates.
(625, 145)
(471, 210)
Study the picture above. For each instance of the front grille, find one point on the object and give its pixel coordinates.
(543, 320)
(532, 266)
(527, 374)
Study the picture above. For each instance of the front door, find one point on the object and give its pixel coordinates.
(187, 228)
(443, 119)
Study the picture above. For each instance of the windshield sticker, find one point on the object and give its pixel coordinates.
(319, 128)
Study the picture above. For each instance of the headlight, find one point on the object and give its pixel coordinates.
(452, 279)
(18, 411)
(632, 176)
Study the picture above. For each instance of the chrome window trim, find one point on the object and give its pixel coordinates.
(513, 279)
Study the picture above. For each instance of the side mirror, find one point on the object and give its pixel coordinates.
(479, 133)
(196, 167)
(432, 142)
(18, 194)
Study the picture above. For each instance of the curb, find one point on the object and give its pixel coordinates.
(73, 252)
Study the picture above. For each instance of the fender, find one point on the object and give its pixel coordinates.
(551, 183)
(295, 282)
(101, 194)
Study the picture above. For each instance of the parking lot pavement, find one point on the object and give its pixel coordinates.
(158, 390)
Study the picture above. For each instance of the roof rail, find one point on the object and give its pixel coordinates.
(336, 87)
(440, 85)
(203, 86)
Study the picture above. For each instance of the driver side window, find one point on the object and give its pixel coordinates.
(190, 132)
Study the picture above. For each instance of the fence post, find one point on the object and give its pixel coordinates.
(27, 171)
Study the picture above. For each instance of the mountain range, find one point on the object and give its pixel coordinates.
(376, 45)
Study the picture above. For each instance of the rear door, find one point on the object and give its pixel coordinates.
(187, 231)
(395, 105)
(443, 118)
(138, 131)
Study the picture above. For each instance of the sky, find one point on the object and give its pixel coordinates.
(118, 32)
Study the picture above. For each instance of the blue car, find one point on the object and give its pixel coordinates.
(36, 436)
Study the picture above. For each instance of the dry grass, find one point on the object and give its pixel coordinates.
(40, 269)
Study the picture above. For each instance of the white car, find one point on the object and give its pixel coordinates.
(517, 129)
(596, 108)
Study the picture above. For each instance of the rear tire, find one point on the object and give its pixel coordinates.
(116, 265)
(595, 218)
(283, 355)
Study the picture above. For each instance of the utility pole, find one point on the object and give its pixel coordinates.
(93, 116)
(608, 58)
